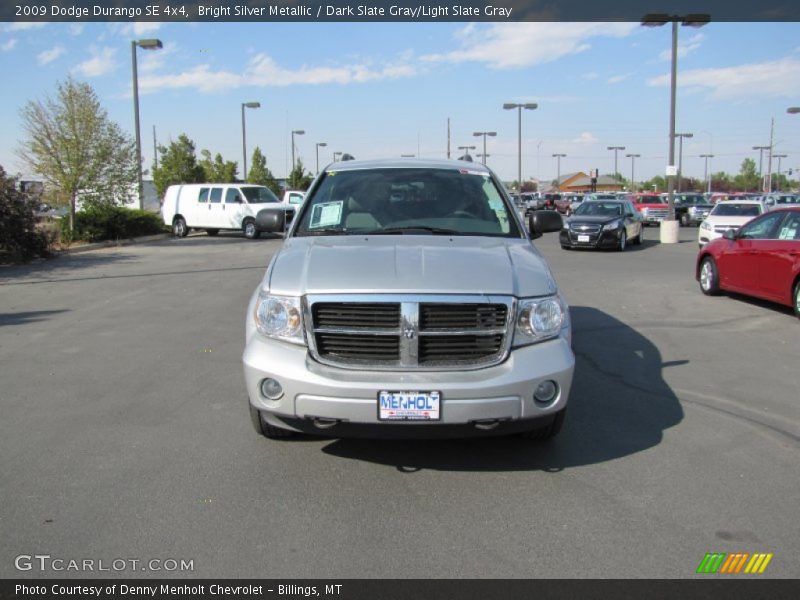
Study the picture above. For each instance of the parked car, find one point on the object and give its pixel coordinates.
(575, 202)
(232, 206)
(651, 206)
(691, 209)
(773, 201)
(730, 214)
(533, 201)
(550, 201)
(426, 315)
(761, 259)
(602, 224)
(562, 204)
(293, 197)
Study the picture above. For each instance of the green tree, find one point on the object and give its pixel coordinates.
(178, 164)
(747, 180)
(19, 237)
(299, 179)
(721, 182)
(71, 142)
(259, 173)
(218, 170)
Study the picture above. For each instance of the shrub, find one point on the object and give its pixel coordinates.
(20, 240)
(97, 223)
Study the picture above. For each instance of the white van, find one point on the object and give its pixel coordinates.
(214, 206)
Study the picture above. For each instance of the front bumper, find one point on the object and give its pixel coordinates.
(343, 402)
(601, 239)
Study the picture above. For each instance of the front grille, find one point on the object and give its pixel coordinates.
(657, 213)
(724, 228)
(584, 228)
(408, 332)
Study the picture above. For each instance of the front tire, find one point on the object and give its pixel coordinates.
(548, 432)
(265, 429)
(796, 297)
(709, 277)
(623, 241)
(251, 232)
(179, 228)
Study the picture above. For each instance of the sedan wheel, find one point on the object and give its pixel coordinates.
(623, 241)
(709, 277)
(797, 299)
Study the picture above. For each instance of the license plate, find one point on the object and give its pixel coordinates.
(408, 406)
(583, 238)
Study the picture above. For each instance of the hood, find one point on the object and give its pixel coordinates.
(574, 220)
(732, 221)
(432, 264)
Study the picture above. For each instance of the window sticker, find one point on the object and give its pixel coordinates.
(496, 204)
(788, 233)
(326, 214)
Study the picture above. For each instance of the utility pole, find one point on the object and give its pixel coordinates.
(448, 138)
(768, 182)
(155, 149)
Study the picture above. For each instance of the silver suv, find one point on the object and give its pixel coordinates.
(408, 301)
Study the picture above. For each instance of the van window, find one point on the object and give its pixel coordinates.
(216, 195)
(231, 196)
(203, 197)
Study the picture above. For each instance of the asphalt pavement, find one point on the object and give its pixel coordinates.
(124, 433)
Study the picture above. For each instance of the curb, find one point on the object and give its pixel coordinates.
(116, 243)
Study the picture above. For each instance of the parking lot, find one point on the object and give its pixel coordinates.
(125, 433)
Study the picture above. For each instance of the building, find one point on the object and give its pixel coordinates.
(580, 182)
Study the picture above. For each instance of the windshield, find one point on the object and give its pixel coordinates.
(595, 208)
(407, 201)
(258, 194)
(735, 209)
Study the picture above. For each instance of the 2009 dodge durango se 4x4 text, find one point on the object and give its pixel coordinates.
(408, 301)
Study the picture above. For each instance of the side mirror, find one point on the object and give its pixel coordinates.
(541, 222)
(730, 234)
(270, 220)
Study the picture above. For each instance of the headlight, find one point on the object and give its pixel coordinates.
(613, 225)
(706, 226)
(279, 317)
(538, 319)
(645, 211)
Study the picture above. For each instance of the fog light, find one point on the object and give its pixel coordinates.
(271, 389)
(546, 392)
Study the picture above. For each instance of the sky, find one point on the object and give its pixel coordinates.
(379, 90)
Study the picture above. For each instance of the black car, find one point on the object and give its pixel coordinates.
(602, 224)
(691, 209)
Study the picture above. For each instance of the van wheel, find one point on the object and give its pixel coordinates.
(212, 232)
(265, 429)
(541, 434)
(251, 232)
(179, 228)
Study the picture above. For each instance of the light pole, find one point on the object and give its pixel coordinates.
(633, 157)
(680, 155)
(778, 179)
(244, 137)
(761, 163)
(484, 134)
(519, 107)
(483, 157)
(657, 20)
(295, 132)
(615, 149)
(336, 156)
(323, 145)
(149, 44)
(707, 178)
(466, 149)
(558, 158)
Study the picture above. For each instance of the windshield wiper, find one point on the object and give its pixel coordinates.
(412, 229)
(325, 231)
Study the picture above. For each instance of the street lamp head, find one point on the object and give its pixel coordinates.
(615, 148)
(633, 155)
(491, 133)
(299, 132)
(322, 144)
(696, 20)
(150, 44)
(655, 19)
(793, 110)
(510, 105)
(251, 104)
(530, 106)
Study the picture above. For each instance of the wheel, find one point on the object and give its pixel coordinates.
(179, 228)
(709, 277)
(212, 232)
(250, 230)
(541, 434)
(265, 429)
(685, 220)
(623, 241)
(796, 297)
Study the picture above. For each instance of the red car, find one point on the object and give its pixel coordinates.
(761, 258)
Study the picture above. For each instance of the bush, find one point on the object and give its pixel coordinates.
(97, 223)
(20, 240)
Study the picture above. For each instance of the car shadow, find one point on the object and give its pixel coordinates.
(44, 268)
(22, 318)
(619, 405)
